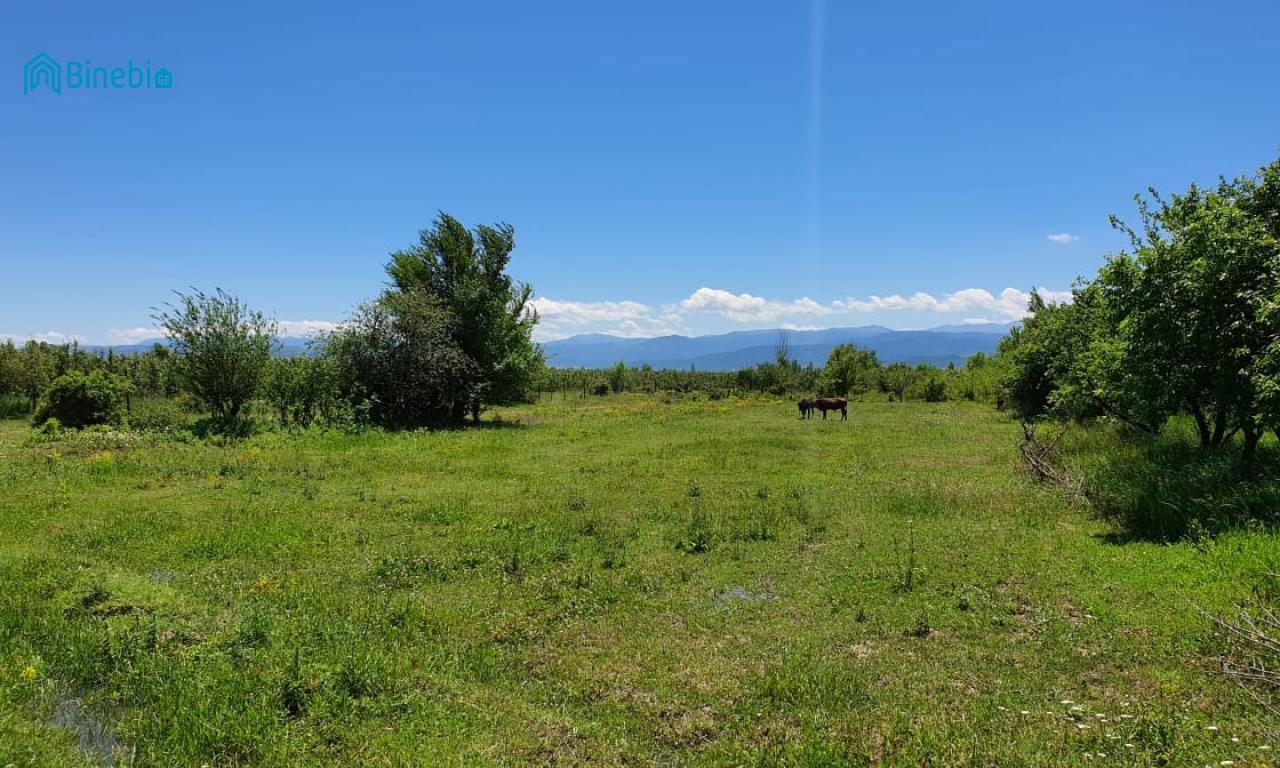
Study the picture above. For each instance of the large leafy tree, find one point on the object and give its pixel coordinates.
(397, 360)
(1261, 200)
(222, 347)
(849, 371)
(1069, 360)
(1195, 302)
(463, 273)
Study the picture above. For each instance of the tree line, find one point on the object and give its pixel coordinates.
(450, 336)
(365, 374)
(1185, 322)
(849, 372)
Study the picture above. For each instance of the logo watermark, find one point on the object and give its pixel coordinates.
(44, 71)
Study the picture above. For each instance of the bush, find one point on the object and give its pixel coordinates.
(159, 414)
(14, 407)
(303, 390)
(396, 361)
(933, 390)
(79, 400)
(222, 347)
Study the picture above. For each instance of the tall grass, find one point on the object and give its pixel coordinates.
(1165, 487)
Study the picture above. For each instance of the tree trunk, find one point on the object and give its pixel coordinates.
(1118, 414)
(475, 411)
(459, 412)
(1249, 455)
(1202, 425)
(1220, 429)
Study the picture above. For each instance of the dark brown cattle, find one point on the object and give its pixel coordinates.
(806, 408)
(825, 404)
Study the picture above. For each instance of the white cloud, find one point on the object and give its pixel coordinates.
(706, 310)
(1011, 304)
(133, 335)
(1063, 238)
(558, 319)
(745, 308)
(49, 337)
(306, 328)
(584, 312)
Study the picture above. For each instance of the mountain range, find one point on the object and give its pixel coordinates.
(729, 351)
(740, 349)
(289, 346)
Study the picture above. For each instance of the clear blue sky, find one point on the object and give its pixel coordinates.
(833, 160)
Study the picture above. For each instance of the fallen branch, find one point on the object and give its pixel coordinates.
(1040, 458)
(1252, 653)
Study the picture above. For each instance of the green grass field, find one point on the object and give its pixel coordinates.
(621, 581)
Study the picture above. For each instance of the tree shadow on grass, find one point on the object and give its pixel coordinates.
(1161, 489)
(484, 424)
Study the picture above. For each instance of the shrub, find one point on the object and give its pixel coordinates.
(396, 363)
(81, 399)
(14, 407)
(223, 349)
(933, 390)
(158, 414)
(303, 390)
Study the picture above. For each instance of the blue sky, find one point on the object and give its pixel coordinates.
(668, 166)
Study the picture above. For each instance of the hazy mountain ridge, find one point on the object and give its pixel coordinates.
(740, 349)
(725, 351)
(287, 346)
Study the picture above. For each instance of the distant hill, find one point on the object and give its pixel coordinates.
(727, 351)
(740, 349)
(289, 346)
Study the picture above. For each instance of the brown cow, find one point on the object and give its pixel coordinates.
(825, 404)
(806, 408)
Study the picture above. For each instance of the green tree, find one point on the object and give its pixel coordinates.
(618, 377)
(897, 379)
(222, 347)
(303, 390)
(1262, 201)
(931, 383)
(397, 360)
(1070, 360)
(849, 371)
(1195, 301)
(9, 368)
(464, 273)
(32, 370)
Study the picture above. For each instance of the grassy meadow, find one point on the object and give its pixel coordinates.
(615, 581)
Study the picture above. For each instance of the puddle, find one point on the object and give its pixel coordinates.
(93, 734)
(739, 593)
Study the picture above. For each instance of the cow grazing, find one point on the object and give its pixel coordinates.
(825, 404)
(806, 408)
